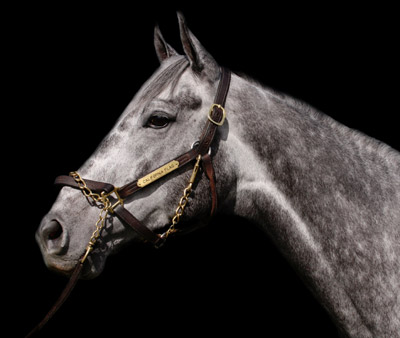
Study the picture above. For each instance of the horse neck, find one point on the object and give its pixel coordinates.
(312, 185)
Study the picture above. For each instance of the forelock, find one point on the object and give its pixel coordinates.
(169, 76)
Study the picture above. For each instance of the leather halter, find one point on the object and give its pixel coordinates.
(216, 117)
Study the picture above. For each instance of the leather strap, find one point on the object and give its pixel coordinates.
(95, 186)
(208, 168)
(60, 301)
(220, 98)
(126, 217)
(132, 187)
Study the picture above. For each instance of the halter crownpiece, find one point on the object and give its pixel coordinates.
(111, 199)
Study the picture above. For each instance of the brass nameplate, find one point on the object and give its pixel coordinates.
(157, 174)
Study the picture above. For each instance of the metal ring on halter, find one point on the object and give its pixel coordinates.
(196, 143)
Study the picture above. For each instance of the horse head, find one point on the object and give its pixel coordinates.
(163, 120)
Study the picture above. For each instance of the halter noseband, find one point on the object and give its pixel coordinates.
(112, 198)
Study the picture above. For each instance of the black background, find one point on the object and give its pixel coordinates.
(69, 72)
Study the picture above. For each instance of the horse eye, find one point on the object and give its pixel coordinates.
(158, 121)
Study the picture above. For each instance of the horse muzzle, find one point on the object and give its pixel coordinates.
(53, 240)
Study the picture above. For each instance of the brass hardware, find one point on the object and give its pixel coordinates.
(119, 202)
(158, 173)
(89, 249)
(183, 201)
(195, 169)
(101, 199)
(223, 114)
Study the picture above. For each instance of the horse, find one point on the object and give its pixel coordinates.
(328, 196)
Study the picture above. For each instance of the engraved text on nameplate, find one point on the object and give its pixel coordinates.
(158, 173)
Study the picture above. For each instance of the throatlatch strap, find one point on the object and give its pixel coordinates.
(208, 169)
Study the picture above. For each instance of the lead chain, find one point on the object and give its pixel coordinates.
(183, 201)
(97, 199)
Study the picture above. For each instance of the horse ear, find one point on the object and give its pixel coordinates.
(163, 49)
(198, 57)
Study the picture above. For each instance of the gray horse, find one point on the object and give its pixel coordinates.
(328, 196)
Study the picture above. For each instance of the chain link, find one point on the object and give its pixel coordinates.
(99, 199)
(183, 201)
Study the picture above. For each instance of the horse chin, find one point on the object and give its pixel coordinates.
(93, 266)
(62, 267)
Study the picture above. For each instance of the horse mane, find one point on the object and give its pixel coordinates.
(303, 108)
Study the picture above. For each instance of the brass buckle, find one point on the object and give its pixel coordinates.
(223, 114)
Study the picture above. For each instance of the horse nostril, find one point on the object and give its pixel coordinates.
(56, 230)
(52, 237)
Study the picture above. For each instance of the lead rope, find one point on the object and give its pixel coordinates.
(60, 301)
